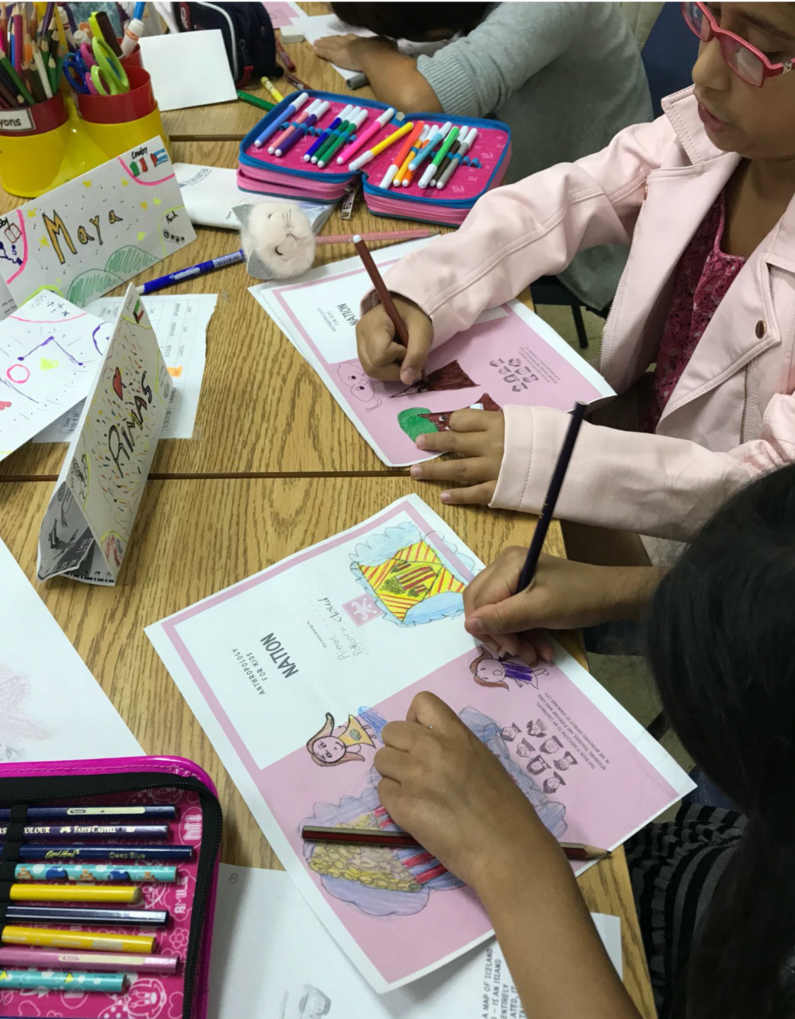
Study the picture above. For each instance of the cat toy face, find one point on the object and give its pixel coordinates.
(277, 239)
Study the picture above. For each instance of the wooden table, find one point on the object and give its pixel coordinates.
(196, 536)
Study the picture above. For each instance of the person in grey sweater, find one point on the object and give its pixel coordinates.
(565, 77)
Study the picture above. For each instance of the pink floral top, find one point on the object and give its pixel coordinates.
(703, 276)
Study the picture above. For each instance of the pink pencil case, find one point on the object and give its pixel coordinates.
(290, 176)
(190, 902)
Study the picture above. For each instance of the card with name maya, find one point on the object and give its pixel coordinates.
(90, 517)
(294, 672)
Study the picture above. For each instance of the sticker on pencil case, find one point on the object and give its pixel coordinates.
(16, 120)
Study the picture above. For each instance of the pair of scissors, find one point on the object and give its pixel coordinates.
(95, 70)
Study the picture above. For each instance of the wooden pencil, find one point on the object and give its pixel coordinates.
(377, 280)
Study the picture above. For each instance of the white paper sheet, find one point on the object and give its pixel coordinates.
(180, 323)
(270, 952)
(188, 69)
(299, 667)
(321, 25)
(49, 354)
(210, 194)
(51, 707)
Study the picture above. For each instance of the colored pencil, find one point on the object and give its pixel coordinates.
(41, 958)
(555, 485)
(135, 944)
(32, 833)
(88, 915)
(33, 980)
(89, 874)
(137, 854)
(381, 235)
(401, 332)
(402, 840)
(106, 813)
(74, 893)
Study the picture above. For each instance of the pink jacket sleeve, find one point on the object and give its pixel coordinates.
(650, 484)
(517, 233)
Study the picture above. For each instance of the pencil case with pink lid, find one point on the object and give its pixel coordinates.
(480, 167)
(145, 831)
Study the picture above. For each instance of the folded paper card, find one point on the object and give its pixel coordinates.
(49, 352)
(90, 517)
(293, 674)
(97, 231)
(509, 356)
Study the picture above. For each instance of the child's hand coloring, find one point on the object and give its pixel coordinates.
(478, 437)
(441, 784)
(385, 358)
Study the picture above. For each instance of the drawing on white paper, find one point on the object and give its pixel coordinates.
(305, 1002)
(333, 745)
(398, 882)
(408, 576)
(15, 726)
(488, 670)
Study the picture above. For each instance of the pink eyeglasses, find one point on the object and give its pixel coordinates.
(744, 59)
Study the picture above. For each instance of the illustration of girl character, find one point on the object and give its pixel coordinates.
(328, 748)
(553, 783)
(490, 671)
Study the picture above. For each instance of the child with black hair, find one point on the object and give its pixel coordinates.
(714, 887)
(565, 77)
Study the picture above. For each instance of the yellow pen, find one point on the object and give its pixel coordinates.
(72, 893)
(268, 85)
(39, 937)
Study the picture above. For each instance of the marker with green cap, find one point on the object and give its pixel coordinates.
(437, 159)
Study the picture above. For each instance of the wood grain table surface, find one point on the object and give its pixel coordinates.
(194, 537)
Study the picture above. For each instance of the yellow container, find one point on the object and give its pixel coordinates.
(35, 147)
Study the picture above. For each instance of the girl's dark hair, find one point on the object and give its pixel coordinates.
(412, 20)
(721, 642)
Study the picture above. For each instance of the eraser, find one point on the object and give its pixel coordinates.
(291, 33)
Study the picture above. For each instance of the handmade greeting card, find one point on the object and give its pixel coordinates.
(49, 352)
(90, 517)
(97, 231)
(294, 673)
(509, 356)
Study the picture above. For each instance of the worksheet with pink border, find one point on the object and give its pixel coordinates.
(509, 356)
(293, 674)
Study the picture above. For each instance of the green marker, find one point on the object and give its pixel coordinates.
(433, 166)
(343, 136)
(263, 104)
(321, 153)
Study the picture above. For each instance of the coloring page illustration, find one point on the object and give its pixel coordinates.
(88, 523)
(49, 352)
(98, 230)
(509, 356)
(294, 678)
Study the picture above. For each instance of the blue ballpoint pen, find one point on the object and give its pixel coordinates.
(194, 270)
(434, 140)
(324, 137)
(282, 118)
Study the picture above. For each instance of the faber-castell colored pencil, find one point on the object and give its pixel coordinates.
(135, 944)
(88, 915)
(106, 813)
(35, 980)
(402, 840)
(401, 332)
(74, 893)
(113, 854)
(86, 873)
(102, 962)
(35, 832)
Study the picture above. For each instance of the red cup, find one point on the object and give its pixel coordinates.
(46, 116)
(132, 60)
(120, 109)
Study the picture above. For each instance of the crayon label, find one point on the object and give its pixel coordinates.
(16, 120)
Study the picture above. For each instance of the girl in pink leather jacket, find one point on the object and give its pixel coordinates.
(704, 196)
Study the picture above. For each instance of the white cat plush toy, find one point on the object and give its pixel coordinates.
(277, 239)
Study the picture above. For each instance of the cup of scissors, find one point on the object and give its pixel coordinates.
(94, 69)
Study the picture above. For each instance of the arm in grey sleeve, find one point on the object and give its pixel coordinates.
(473, 76)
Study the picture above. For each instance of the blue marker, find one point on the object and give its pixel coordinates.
(436, 137)
(194, 270)
(324, 137)
(273, 127)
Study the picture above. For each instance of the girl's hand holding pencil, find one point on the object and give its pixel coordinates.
(380, 353)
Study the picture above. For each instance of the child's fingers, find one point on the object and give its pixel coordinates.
(472, 420)
(464, 443)
(416, 354)
(431, 712)
(391, 763)
(476, 495)
(511, 615)
(397, 735)
(469, 471)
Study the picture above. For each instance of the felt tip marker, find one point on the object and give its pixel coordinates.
(400, 179)
(376, 150)
(324, 137)
(466, 145)
(439, 134)
(356, 122)
(437, 159)
(301, 130)
(321, 153)
(294, 125)
(372, 130)
(274, 126)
